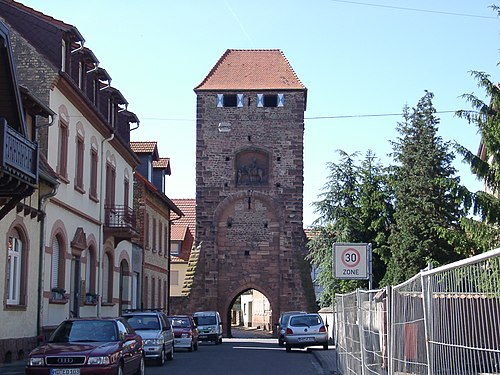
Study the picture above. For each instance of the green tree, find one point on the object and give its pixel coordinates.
(354, 207)
(484, 234)
(426, 195)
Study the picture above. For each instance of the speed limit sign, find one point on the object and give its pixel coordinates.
(352, 261)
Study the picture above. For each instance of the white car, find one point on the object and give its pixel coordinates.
(305, 330)
(156, 332)
(284, 317)
(209, 326)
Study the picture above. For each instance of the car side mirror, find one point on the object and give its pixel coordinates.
(128, 337)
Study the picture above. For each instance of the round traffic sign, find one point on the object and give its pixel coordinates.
(351, 257)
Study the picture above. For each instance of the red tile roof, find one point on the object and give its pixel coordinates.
(178, 232)
(162, 163)
(143, 147)
(252, 70)
(188, 208)
(175, 259)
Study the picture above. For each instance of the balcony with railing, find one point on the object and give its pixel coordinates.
(18, 167)
(119, 222)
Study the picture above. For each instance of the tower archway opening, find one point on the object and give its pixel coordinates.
(250, 315)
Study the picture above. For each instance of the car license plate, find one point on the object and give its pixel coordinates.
(64, 371)
(306, 339)
(202, 336)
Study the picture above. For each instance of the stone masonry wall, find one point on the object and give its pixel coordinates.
(249, 195)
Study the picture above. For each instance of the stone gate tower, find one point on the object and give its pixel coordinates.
(249, 184)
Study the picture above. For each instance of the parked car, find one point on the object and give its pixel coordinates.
(89, 346)
(282, 324)
(305, 330)
(156, 331)
(185, 332)
(209, 326)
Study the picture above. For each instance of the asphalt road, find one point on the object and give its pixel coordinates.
(248, 353)
(240, 356)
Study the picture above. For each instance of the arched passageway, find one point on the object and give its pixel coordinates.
(249, 311)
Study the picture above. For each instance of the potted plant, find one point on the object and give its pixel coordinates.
(91, 297)
(58, 293)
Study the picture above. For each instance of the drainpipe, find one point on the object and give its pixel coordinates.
(101, 229)
(42, 201)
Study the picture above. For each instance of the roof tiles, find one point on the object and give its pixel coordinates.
(188, 208)
(266, 69)
(143, 147)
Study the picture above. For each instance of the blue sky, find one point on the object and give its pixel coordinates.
(356, 58)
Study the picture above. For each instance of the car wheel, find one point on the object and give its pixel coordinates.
(220, 341)
(161, 358)
(288, 348)
(170, 355)
(140, 370)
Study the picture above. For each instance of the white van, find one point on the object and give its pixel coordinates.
(209, 326)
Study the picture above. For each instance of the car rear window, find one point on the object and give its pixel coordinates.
(208, 320)
(143, 322)
(305, 320)
(180, 322)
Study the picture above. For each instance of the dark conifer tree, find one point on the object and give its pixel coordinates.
(426, 199)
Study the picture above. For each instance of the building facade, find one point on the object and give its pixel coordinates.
(154, 210)
(84, 242)
(25, 184)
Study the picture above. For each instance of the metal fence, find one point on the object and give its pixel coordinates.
(440, 322)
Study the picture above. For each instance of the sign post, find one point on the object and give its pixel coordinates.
(353, 261)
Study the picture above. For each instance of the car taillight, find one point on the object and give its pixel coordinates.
(322, 329)
(289, 331)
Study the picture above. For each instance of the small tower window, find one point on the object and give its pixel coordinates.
(270, 100)
(230, 100)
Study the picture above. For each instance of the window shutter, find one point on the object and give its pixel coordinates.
(260, 100)
(281, 100)
(220, 100)
(54, 282)
(240, 100)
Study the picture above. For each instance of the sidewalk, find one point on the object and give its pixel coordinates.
(327, 359)
(13, 368)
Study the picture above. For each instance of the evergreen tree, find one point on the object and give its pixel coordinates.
(426, 199)
(485, 234)
(355, 207)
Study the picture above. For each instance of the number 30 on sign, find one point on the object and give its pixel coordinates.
(351, 261)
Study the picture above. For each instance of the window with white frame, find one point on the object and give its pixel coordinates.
(90, 271)
(175, 247)
(80, 147)
(93, 173)
(174, 278)
(56, 260)
(62, 167)
(14, 270)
